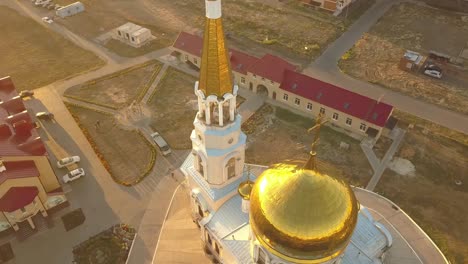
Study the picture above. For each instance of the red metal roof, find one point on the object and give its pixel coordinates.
(190, 43)
(271, 67)
(13, 111)
(338, 98)
(241, 62)
(193, 44)
(18, 169)
(17, 197)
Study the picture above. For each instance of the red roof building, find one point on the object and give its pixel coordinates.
(372, 113)
(17, 197)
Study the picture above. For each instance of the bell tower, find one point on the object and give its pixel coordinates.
(218, 144)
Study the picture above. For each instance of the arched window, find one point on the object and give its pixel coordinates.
(231, 168)
(200, 166)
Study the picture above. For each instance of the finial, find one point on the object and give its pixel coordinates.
(311, 164)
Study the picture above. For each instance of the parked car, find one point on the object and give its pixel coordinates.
(433, 67)
(433, 73)
(47, 20)
(26, 93)
(162, 144)
(73, 175)
(45, 115)
(67, 161)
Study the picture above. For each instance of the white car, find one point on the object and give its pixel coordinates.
(47, 20)
(73, 175)
(67, 161)
(433, 73)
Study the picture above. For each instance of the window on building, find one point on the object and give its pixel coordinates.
(297, 101)
(349, 121)
(285, 97)
(231, 168)
(200, 166)
(120, 33)
(322, 110)
(309, 106)
(195, 60)
(209, 238)
(23, 210)
(186, 57)
(363, 127)
(243, 80)
(128, 36)
(133, 39)
(217, 248)
(262, 258)
(335, 116)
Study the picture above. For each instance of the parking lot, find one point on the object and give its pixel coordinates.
(103, 202)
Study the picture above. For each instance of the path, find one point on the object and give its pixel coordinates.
(153, 86)
(398, 135)
(252, 103)
(325, 68)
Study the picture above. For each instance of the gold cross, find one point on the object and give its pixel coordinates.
(311, 165)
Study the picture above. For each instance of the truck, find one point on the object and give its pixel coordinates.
(162, 144)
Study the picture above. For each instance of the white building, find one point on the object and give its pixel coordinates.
(70, 10)
(290, 214)
(132, 34)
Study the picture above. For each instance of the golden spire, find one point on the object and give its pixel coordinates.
(215, 71)
(311, 164)
(245, 187)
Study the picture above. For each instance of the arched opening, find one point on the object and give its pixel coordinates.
(200, 166)
(231, 168)
(262, 90)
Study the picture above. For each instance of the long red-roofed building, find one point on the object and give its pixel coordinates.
(28, 185)
(280, 81)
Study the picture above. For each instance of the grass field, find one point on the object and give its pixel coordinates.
(376, 56)
(126, 154)
(432, 196)
(286, 131)
(35, 56)
(173, 106)
(118, 89)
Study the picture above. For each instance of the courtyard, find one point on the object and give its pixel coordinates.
(46, 56)
(286, 132)
(375, 57)
(433, 196)
(118, 89)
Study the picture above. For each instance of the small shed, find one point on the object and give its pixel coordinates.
(132, 34)
(70, 10)
(411, 61)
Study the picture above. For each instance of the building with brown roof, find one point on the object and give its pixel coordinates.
(28, 185)
(279, 80)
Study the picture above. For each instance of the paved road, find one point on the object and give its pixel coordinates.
(325, 68)
(379, 170)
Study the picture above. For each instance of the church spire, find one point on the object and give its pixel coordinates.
(215, 71)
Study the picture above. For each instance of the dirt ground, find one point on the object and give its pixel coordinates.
(173, 106)
(34, 56)
(376, 56)
(286, 133)
(251, 25)
(127, 160)
(128, 51)
(432, 197)
(118, 89)
(451, 5)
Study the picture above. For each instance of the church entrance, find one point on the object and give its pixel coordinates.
(262, 90)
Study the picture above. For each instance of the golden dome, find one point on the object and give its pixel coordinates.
(245, 188)
(301, 215)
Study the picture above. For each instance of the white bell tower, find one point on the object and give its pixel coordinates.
(218, 144)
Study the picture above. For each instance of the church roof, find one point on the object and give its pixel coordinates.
(17, 197)
(264, 68)
(228, 218)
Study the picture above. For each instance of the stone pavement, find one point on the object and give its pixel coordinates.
(397, 136)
